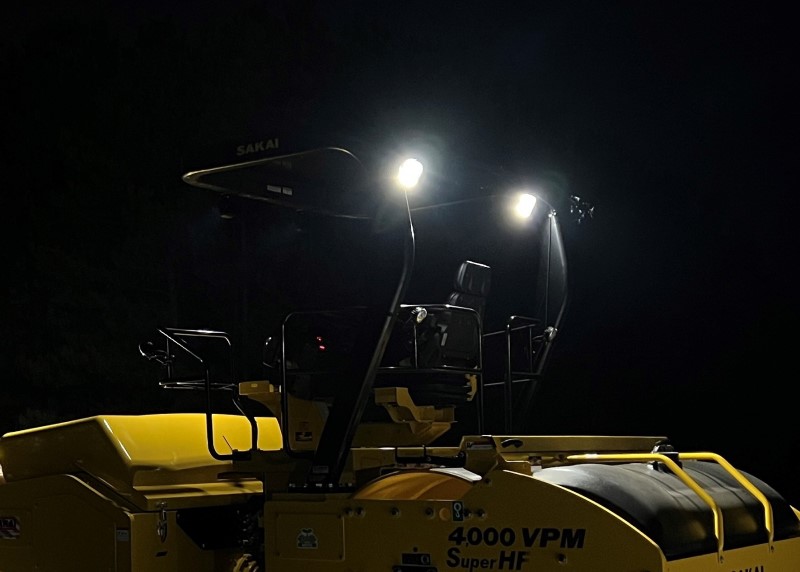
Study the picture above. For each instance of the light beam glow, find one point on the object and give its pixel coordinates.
(409, 173)
(524, 205)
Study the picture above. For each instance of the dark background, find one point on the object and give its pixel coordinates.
(676, 119)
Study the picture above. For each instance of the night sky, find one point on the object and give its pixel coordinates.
(675, 119)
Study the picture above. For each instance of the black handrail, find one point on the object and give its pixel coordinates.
(173, 336)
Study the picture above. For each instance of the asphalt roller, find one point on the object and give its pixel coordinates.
(380, 437)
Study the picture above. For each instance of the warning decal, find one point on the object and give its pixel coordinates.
(307, 539)
(9, 527)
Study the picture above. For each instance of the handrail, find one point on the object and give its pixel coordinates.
(701, 456)
(173, 335)
(742, 480)
(528, 323)
(677, 470)
(504, 331)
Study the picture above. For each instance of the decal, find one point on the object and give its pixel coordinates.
(9, 527)
(257, 147)
(280, 190)
(416, 558)
(505, 560)
(307, 539)
(301, 436)
(123, 535)
(529, 537)
(458, 511)
(508, 540)
(757, 568)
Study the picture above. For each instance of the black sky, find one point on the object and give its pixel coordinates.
(676, 119)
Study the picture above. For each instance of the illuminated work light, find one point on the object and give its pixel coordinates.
(524, 205)
(409, 173)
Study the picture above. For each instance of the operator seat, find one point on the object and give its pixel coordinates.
(470, 288)
(433, 355)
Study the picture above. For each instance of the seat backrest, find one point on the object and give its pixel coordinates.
(453, 337)
(471, 286)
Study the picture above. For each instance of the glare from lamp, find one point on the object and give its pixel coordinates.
(524, 205)
(409, 173)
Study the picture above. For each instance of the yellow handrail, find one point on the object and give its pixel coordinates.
(742, 480)
(676, 469)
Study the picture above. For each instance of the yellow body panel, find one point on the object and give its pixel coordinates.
(127, 451)
(95, 494)
(66, 525)
(505, 521)
(124, 481)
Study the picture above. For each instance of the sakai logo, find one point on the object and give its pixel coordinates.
(757, 568)
(257, 147)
